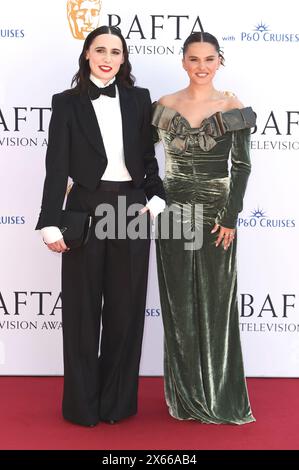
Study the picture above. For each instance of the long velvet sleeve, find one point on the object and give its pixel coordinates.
(155, 132)
(155, 135)
(240, 170)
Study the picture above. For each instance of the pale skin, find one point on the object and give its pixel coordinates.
(201, 100)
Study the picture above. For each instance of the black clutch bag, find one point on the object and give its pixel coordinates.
(75, 227)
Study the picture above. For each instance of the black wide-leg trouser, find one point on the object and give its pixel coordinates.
(103, 284)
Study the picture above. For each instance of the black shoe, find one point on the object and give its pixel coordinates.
(111, 421)
(87, 425)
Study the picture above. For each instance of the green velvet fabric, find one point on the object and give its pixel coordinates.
(204, 375)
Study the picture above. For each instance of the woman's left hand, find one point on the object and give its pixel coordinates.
(226, 235)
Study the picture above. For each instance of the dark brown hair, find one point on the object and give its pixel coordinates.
(124, 76)
(203, 37)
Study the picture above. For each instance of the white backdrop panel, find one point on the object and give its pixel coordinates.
(39, 57)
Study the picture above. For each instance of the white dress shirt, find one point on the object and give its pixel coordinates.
(108, 114)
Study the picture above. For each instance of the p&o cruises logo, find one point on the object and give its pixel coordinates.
(11, 33)
(262, 32)
(259, 218)
(12, 219)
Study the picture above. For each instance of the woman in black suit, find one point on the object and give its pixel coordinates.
(100, 136)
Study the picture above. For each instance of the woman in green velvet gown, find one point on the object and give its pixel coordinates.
(204, 131)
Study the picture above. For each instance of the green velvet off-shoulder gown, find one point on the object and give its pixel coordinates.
(203, 365)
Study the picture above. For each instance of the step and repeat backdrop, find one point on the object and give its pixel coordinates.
(40, 42)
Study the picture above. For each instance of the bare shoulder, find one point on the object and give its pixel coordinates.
(232, 101)
(169, 100)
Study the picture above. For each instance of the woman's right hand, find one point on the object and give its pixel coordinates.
(58, 247)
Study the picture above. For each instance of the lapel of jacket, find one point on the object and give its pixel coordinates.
(129, 117)
(89, 123)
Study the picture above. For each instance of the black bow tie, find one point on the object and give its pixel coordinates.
(94, 91)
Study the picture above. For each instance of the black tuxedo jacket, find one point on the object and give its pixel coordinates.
(76, 149)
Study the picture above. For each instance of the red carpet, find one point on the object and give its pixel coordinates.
(30, 418)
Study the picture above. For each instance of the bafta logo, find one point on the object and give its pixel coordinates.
(83, 16)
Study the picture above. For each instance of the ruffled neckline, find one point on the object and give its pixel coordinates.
(175, 113)
(214, 126)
